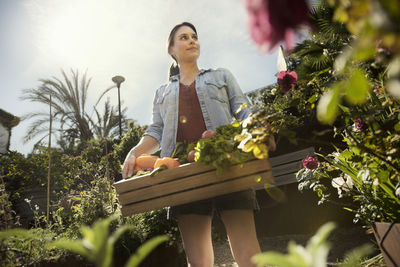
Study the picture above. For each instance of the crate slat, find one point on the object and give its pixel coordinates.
(167, 175)
(195, 194)
(290, 157)
(193, 181)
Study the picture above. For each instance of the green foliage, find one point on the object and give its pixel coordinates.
(354, 257)
(96, 244)
(313, 255)
(22, 172)
(352, 91)
(69, 111)
(29, 247)
(144, 250)
(154, 223)
(6, 212)
(221, 150)
(68, 102)
(129, 140)
(376, 41)
(86, 206)
(107, 125)
(367, 169)
(182, 150)
(20, 247)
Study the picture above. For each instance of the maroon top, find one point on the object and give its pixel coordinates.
(190, 117)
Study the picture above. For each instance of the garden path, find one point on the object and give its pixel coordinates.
(342, 240)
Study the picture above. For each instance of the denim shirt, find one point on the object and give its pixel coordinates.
(219, 96)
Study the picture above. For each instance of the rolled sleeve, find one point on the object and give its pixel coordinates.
(236, 96)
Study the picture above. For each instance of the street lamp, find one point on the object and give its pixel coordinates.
(118, 80)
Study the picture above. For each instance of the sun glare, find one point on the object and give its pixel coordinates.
(74, 31)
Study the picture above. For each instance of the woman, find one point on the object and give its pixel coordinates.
(192, 101)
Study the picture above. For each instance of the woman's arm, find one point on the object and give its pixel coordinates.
(237, 98)
(149, 143)
(146, 145)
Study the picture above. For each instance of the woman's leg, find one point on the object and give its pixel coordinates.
(241, 231)
(196, 236)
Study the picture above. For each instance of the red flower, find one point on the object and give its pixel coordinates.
(286, 80)
(310, 163)
(272, 21)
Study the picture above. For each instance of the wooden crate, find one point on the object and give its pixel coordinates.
(192, 182)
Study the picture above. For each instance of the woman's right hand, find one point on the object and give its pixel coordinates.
(129, 165)
(146, 145)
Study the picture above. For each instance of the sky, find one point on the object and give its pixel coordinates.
(39, 38)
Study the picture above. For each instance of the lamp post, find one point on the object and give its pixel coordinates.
(118, 80)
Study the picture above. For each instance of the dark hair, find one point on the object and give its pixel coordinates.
(174, 69)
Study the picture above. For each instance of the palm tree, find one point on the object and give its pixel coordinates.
(318, 52)
(107, 124)
(69, 97)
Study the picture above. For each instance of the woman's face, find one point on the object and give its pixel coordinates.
(186, 47)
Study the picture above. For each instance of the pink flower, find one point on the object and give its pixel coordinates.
(272, 21)
(310, 163)
(360, 125)
(286, 80)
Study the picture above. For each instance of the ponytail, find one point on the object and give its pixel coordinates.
(173, 70)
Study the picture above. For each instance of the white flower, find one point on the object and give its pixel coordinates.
(398, 192)
(365, 177)
(246, 122)
(244, 141)
(273, 91)
(341, 184)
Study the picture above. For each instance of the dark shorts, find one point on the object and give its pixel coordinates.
(243, 200)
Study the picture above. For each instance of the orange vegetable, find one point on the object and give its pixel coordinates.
(167, 161)
(137, 168)
(145, 161)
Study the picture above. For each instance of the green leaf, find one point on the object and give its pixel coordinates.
(327, 109)
(111, 241)
(365, 52)
(383, 175)
(275, 192)
(260, 151)
(295, 102)
(74, 246)
(397, 127)
(235, 123)
(144, 250)
(249, 146)
(275, 259)
(118, 233)
(320, 237)
(312, 99)
(358, 87)
(15, 232)
(355, 256)
(344, 109)
(242, 107)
